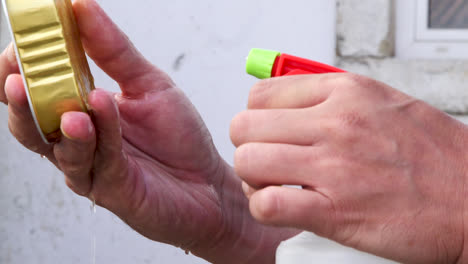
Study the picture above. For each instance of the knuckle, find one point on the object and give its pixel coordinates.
(333, 224)
(346, 125)
(239, 127)
(72, 168)
(328, 79)
(421, 109)
(352, 119)
(266, 204)
(345, 230)
(352, 82)
(11, 56)
(312, 158)
(241, 159)
(354, 79)
(78, 190)
(258, 96)
(72, 187)
(346, 130)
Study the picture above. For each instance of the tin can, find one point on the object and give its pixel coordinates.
(51, 59)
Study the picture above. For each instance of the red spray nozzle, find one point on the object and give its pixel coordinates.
(265, 64)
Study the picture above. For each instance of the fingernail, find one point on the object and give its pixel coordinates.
(10, 53)
(63, 130)
(90, 129)
(65, 134)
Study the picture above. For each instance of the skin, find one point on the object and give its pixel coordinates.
(380, 171)
(146, 154)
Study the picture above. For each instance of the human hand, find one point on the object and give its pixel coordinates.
(380, 171)
(146, 155)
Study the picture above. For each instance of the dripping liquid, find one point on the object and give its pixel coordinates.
(93, 231)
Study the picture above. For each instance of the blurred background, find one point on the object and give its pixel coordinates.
(203, 46)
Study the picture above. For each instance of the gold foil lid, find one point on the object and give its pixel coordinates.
(51, 59)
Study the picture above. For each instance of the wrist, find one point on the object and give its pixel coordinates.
(239, 239)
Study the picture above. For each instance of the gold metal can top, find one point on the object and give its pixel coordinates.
(52, 61)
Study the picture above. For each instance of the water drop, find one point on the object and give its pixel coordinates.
(187, 252)
(93, 228)
(93, 206)
(43, 157)
(94, 248)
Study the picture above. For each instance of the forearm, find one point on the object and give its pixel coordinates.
(241, 239)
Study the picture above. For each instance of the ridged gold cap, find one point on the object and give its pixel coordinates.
(51, 58)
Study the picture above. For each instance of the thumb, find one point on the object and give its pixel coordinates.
(303, 209)
(114, 53)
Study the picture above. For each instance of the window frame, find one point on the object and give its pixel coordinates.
(416, 40)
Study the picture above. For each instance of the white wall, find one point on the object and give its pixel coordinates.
(43, 222)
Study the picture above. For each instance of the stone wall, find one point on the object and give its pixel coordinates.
(366, 45)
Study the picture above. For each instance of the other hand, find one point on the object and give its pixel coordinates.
(380, 171)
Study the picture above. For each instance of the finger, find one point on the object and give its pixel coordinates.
(20, 120)
(300, 91)
(287, 126)
(248, 190)
(108, 156)
(8, 65)
(75, 151)
(260, 164)
(113, 52)
(289, 207)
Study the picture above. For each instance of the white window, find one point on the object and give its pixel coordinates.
(432, 29)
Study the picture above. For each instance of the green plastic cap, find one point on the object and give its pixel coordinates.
(260, 62)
